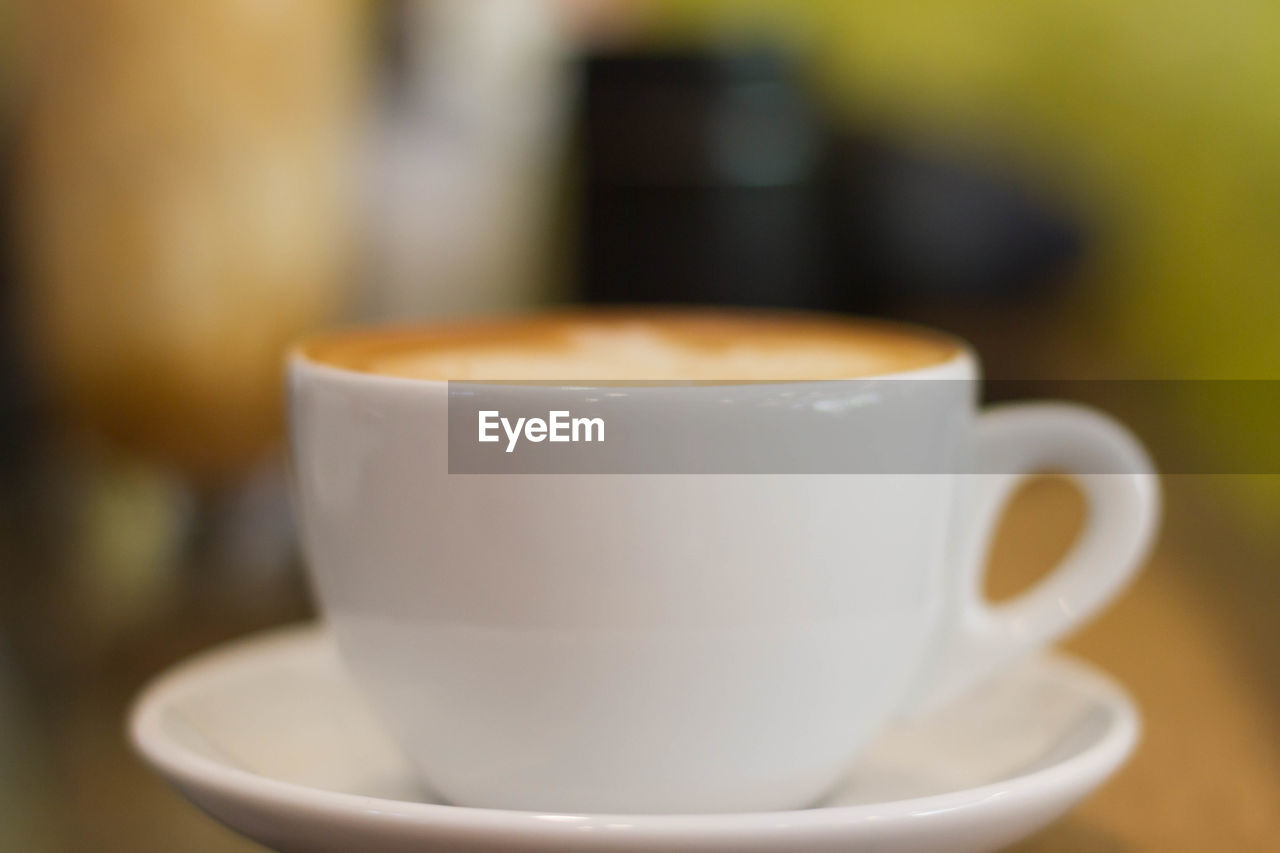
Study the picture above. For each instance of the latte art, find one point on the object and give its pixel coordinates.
(672, 345)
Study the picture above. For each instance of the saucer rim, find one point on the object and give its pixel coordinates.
(190, 771)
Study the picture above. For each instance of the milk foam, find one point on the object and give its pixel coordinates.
(695, 346)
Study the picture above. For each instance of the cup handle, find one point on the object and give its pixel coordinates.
(1122, 492)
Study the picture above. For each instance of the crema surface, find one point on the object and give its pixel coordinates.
(688, 345)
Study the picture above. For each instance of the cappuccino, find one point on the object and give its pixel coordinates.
(640, 345)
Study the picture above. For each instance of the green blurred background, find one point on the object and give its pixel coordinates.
(1158, 118)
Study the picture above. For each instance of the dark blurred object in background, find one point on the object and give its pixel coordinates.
(715, 177)
(20, 426)
(703, 181)
(915, 224)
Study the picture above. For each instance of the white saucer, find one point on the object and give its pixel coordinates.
(268, 736)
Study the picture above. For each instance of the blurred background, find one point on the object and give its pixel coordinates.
(1084, 189)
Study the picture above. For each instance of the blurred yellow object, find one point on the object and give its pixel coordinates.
(184, 210)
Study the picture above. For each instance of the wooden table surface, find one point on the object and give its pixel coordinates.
(1197, 641)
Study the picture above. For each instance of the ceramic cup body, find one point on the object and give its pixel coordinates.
(631, 642)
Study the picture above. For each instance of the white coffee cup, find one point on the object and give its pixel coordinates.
(684, 642)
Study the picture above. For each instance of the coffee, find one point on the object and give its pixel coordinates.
(679, 345)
